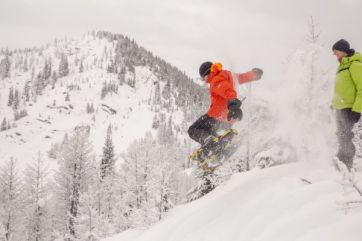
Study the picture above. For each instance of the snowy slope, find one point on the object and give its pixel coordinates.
(300, 201)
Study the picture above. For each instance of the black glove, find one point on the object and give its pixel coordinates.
(235, 114)
(354, 116)
(258, 72)
(234, 103)
(234, 109)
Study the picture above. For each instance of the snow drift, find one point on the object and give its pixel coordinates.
(299, 201)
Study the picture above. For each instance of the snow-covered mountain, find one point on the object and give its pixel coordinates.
(98, 79)
(293, 202)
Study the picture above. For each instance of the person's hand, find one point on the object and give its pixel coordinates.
(235, 114)
(234, 109)
(258, 72)
(355, 116)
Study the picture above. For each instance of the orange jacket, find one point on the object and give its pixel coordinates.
(222, 89)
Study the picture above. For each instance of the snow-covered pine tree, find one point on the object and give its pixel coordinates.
(136, 175)
(38, 84)
(71, 179)
(54, 79)
(88, 221)
(26, 91)
(4, 125)
(107, 182)
(11, 97)
(108, 159)
(25, 64)
(104, 90)
(47, 69)
(36, 191)
(313, 42)
(166, 92)
(164, 175)
(10, 201)
(5, 65)
(63, 66)
(157, 96)
(16, 101)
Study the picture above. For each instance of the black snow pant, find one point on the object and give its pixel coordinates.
(204, 127)
(346, 148)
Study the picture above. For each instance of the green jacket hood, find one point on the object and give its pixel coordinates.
(347, 61)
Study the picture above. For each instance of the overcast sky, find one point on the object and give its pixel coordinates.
(241, 34)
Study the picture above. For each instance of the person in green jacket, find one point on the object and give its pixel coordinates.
(347, 98)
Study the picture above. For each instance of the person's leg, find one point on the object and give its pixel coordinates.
(204, 127)
(346, 148)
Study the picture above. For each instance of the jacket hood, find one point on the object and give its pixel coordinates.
(347, 61)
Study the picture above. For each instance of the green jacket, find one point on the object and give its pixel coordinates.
(348, 84)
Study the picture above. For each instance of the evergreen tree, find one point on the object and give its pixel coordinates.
(26, 91)
(166, 92)
(5, 65)
(54, 79)
(71, 179)
(89, 220)
(39, 84)
(36, 191)
(47, 70)
(16, 101)
(63, 66)
(10, 199)
(104, 90)
(11, 97)
(313, 40)
(108, 159)
(157, 97)
(4, 125)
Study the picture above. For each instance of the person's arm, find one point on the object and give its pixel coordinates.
(356, 74)
(254, 74)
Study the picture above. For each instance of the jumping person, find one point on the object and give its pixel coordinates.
(225, 109)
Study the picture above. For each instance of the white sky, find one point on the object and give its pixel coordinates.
(241, 34)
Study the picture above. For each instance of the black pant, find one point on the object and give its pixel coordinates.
(205, 126)
(346, 148)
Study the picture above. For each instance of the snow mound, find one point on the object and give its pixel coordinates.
(299, 201)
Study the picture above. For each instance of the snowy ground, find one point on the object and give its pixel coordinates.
(300, 201)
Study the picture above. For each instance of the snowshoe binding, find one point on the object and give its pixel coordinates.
(215, 150)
